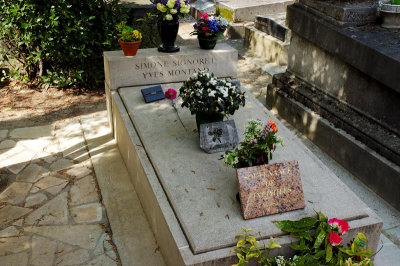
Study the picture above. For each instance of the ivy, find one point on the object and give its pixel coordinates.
(58, 42)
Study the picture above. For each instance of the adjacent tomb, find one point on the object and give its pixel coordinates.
(344, 66)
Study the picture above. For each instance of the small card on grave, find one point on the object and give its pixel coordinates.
(153, 94)
(270, 188)
(218, 136)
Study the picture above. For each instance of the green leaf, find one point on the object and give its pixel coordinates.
(240, 243)
(320, 239)
(235, 250)
(328, 253)
(319, 254)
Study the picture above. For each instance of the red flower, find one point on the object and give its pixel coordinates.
(170, 94)
(205, 15)
(343, 227)
(334, 239)
(206, 28)
(271, 147)
(273, 125)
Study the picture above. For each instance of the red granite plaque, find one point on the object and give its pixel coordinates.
(270, 188)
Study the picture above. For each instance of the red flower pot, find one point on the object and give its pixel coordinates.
(129, 48)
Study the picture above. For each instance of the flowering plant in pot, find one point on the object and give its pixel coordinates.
(208, 29)
(168, 12)
(260, 140)
(209, 98)
(129, 40)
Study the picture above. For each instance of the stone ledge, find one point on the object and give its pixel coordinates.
(372, 50)
(273, 25)
(378, 173)
(364, 129)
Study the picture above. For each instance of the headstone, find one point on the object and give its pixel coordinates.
(218, 136)
(270, 188)
(152, 67)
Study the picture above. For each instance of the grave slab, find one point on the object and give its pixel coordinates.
(189, 196)
(247, 10)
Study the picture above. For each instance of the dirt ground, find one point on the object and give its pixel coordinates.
(21, 106)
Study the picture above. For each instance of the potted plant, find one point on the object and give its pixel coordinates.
(256, 148)
(209, 98)
(129, 40)
(168, 13)
(208, 29)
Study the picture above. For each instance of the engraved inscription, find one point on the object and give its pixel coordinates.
(174, 67)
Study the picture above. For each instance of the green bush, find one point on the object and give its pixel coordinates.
(59, 42)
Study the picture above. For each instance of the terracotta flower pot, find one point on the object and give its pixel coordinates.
(130, 48)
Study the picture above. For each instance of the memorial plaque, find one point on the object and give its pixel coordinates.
(270, 188)
(153, 94)
(219, 136)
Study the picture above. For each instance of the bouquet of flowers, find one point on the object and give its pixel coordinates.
(259, 142)
(210, 26)
(170, 9)
(203, 93)
(128, 34)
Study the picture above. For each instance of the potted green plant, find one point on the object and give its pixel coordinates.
(168, 13)
(129, 40)
(209, 98)
(260, 140)
(208, 29)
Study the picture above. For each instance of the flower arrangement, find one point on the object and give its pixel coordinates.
(256, 148)
(128, 34)
(210, 26)
(320, 241)
(203, 93)
(170, 9)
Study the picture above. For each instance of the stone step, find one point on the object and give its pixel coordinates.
(247, 10)
(274, 25)
(266, 47)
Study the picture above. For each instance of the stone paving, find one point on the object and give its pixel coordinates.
(51, 211)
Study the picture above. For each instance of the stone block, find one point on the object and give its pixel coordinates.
(192, 208)
(266, 47)
(152, 67)
(273, 25)
(247, 10)
(343, 13)
(372, 50)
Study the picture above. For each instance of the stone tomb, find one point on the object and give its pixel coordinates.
(189, 196)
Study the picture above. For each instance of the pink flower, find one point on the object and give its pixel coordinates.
(334, 239)
(334, 222)
(343, 227)
(170, 94)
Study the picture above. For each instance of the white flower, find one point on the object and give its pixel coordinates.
(208, 75)
(171, 3)
(213, 82)
(198, 83)
(161, 7)
(168, 17)
(211, 94)
(195, 75)
(185, 10)
(173, 11)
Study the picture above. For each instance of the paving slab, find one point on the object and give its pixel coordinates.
(32, 132)
(131, 231)
(207, 227)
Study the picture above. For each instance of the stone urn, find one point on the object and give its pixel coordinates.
(391, 14)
